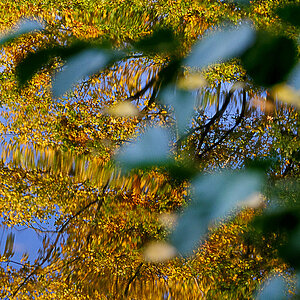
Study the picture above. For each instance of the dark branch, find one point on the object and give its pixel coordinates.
(141, 92)
(49, 252)
(237, 122)
(217, 115)
(132, 278)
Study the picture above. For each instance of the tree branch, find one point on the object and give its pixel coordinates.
(237, 122)
(52, 247)
(217, 115)
(132, 278)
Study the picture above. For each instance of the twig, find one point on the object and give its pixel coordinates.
(216, 116)
(132, 278)
(237, 122)
(55, 242)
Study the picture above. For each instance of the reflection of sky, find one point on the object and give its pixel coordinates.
(26, 240)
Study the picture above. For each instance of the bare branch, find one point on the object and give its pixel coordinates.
(132, 278)
(237, 122)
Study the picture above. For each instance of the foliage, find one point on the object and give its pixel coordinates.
(58, 162)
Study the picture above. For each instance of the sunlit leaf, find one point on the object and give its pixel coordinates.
(23, 27)
(221, 46)
(273, 289)
(214, 196)
(83, 64)
(152, 148)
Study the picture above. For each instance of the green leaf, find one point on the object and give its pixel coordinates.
(161, 41)
(213, 197)
(274, 289)
(23, 27)
(183, 103)
(35, 61)
(270, 59)
(152, 148)
(221, 46)
(32, 63)
(298, 286)
(290, 13)
(180, 171)
(169, 73)
(83, 64)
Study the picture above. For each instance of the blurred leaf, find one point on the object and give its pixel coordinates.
(287, 94)
(285, 222)
(183, 103)
(34, 61)
(221, 46)
(270, 59)
(169, 73)
(213, 197)
(123, 109)
(259, 164)
(290, 13)
(152, 148)
(273, 289)
(83, 64)
(159, 251)
(294, 78)
(192, 82)
(23, 27)
(162, 41)
(168, 220)
(180, 171)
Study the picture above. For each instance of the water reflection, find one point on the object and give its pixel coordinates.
(90, 223)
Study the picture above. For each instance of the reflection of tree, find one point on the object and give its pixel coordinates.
(104, 219)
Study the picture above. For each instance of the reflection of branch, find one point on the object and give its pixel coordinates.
(52, 247)
(206, 126)
(143, 90)
(216, 116)
(195, 279)
(13, 262)
(237, 122)
(132, 278)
